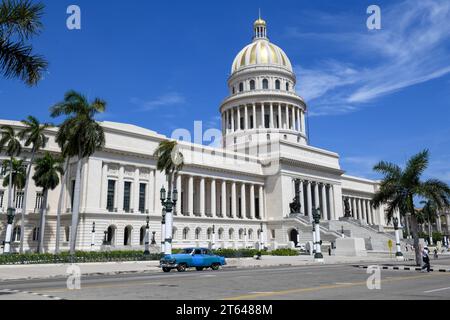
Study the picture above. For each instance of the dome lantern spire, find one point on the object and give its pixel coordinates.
(260, 28)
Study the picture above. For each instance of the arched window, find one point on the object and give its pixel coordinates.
(16, 234)
(198, 232)
(220, 234)
(241, 234)
(185, 233)
(127, 236)
(250, 234)
(209, 233)
(252, 85)
(278, 85)
(288, 87)
(241, 87)
(142, 236)
(35, 234)
(265, 84)
(231, 234)
(111, 236)
(174, 233)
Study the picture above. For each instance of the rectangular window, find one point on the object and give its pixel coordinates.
(126, 196)
(257, 214)
(19, 199)
(142, 194)
(72, 195)
(111, 195)
(242, 124)
(2, 170)
(2, 194)
(39, 198)
(252, 125)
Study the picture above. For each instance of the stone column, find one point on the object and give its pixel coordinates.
(239, 128)
(243, 202)
(104, 196)
(280, 119)
(224, 199)
(302, 198)
(135, 198)
(293, 118)
(272, 125)
(191, 196)
(309, 199)
(120, 190)
(361, 218)
(324, 203)
(180, 199)
(354, 210)
(287, 117)
(213, 198)
(299, 125)
(233, 129)
(233, 200)
(303, 122)
(262, 116)
(252, 201)
(316, 196)
(202, 197)
(262, 214)
(254, 116)
(246, 118)
(331, 201)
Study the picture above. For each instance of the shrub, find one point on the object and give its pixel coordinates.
(284, 252)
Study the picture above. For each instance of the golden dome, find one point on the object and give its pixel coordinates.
(261, 52)
(260, 22)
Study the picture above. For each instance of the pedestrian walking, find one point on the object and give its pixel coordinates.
(426, 260)
(436, 255)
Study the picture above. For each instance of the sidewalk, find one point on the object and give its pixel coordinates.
(24, 272)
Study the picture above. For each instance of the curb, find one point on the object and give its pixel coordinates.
(403, 268)
(31, 293)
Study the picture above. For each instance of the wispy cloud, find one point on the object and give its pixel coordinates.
(411, 49)
(360, 165)
(168, 99)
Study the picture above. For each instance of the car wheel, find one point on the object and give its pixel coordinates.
(199, 268)
(166, 269)
(181, 268)
(215, 266)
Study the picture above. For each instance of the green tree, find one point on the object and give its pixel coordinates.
(399, 187)
(79, 136)
(34, 135)
(20, 20)
(10, 144)
(46, 176)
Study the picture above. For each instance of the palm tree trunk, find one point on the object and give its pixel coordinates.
(415, 235)
(60, 205)
(76, 207)
(24, 210)
(42, 222)
(10, 186)
(430, 233)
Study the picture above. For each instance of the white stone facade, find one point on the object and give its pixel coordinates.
(248, 183)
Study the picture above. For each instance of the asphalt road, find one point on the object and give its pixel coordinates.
(339, 282)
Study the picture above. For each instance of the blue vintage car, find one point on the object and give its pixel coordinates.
(199, 258)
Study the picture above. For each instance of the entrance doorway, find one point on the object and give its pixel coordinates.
(293, 237)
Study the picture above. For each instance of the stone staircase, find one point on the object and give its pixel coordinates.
(305, 230)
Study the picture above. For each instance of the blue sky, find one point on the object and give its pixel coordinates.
(372, 95)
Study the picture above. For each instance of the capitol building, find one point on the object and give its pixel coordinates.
(259, 188)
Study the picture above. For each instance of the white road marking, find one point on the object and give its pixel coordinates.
(437, 290)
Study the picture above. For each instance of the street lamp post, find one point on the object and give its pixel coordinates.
(93, 237)
(399, 253)
(11, 212)
(168, 204)
(261, 238)
(318, 257)
(147, 238)
(213, 242)
(245, 238)
(314, 238)
(105, 239)
(163, 230)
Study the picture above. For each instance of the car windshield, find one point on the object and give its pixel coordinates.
(187, 251)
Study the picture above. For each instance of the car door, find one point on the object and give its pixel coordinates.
(208, 257)
(197, 258)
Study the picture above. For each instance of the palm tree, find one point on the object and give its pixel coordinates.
(34, 136)
(48, 169)
(170, 161)
(429, 212)
(400, 187)
(20, 20)
(61, 198)
(79, 136)
(9, 143)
